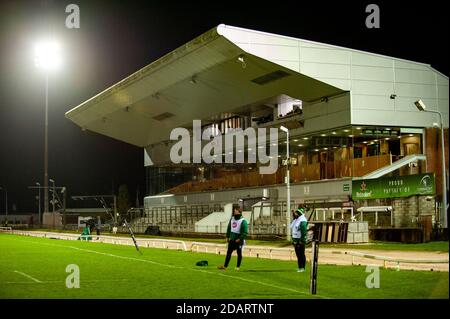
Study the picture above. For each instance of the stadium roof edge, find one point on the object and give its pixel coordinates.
(199, 41)
(142, 108)
(222, 27)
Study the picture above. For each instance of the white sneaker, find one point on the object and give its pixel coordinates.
(301, 270)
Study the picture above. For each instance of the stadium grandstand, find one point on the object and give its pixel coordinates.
(359, 149)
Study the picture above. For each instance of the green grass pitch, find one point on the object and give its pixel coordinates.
(36, 268)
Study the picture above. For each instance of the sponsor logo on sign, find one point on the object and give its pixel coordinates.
(363, 191)
(425, 185)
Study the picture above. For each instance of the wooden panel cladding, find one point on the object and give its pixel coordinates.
(298, 173)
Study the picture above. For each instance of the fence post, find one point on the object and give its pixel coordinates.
(314, 265)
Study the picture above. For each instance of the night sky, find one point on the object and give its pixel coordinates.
(117, 38)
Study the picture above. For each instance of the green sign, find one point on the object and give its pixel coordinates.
(392, 187)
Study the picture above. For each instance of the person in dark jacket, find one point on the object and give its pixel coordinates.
(237, 231)
(97, 228)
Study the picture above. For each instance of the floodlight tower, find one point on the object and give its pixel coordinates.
(288, 185)
(47, 58)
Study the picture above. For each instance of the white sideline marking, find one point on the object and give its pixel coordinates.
(59, 281)
(252, 281)
(28, 276)
(179, 267)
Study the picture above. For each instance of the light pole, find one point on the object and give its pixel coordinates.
(288, 186)
(422, 107)
(53, 194)
(64, 192)
(6, 203)
(39, 188)
(47, 58)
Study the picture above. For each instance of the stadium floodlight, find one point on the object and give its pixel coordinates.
(161, 196)
(39, 188)
(6, 202)
(47, 55)
(420, 105)
(443, 218)
(53, 197)
(284, 129)
(241, 59)
(288, 185)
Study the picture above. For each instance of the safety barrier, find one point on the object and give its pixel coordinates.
(387, 259)
(144, 242)
(250, 251)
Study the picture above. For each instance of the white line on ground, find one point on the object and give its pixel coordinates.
(28, 276)
(171, 266)
(17, 283)
(253, 281)
(59, 281)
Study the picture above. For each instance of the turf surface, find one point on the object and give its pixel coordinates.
(36, 268)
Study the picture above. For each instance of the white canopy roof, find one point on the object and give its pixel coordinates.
(199, 80)
(204, 79)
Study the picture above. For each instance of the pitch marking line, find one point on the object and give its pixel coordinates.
(171, 266)
(59, 281)
(28, 276)
(205, 271)
(253, 281)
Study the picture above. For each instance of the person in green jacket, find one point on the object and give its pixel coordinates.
(299, 228)
(85, 234)
(237, 231)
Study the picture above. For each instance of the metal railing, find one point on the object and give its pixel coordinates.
(386, 259)
(168, 216)
(116, 240)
